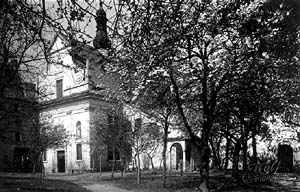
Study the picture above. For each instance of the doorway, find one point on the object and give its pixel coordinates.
(285, 157)
(176, 156)
(61, 161)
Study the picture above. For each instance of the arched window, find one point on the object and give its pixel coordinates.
(78, 129)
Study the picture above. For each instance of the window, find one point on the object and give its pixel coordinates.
(59, 88)
(45, 156)
(78, 129)
(18, 137)
(79, 151)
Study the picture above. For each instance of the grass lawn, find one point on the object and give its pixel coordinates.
(151, 182)
(186, 183)
(25, 184)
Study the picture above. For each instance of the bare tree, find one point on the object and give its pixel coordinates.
(47, 135)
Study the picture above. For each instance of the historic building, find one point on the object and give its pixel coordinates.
(180, 154)
(72, 99)
(18, 116)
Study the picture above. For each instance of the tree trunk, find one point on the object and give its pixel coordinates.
(34, 168)
(138, 168)
(34, 163)
(236, 156)
(122, 165)
(151, 161)
(227, 152)
(43, 171)
(204, 167)
(254, 159)
(114, 163)
(93, 164)
(100, 164)
(216, 159)
(165, 140)
(245, 149)
(202, 144)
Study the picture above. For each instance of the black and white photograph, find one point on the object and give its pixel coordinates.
(150, 96)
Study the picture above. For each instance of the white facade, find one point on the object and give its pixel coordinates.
(179, 154)
(70, 102)
(71, 116)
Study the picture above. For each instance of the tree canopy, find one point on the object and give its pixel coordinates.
(219, 57)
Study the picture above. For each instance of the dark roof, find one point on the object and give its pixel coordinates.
(101, 12)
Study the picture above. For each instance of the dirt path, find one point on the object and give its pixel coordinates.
(103, 188)
(89, 181)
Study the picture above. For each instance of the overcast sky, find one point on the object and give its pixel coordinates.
(91, 28)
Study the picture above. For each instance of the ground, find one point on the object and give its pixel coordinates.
(27, 184)
(151, 181)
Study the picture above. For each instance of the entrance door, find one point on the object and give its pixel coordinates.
(285, 157)
(61, 161)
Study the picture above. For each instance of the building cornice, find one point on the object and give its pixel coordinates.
(70, 99)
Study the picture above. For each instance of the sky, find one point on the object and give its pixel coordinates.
(90, 29)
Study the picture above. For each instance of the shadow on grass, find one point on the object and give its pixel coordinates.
(188, 182)
(36, 185)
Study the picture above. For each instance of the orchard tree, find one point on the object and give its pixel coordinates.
(157, 103)
(268, 79)
(144, 138)
(44, 135)
(204, 48)
(112, 130)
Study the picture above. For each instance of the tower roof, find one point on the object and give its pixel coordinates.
(100, 11)
(101, 40)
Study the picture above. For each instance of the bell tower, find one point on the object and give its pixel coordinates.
(101, 40)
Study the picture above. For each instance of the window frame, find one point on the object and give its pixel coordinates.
(59, 88)
(79, 152)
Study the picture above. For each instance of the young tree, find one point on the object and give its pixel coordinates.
(111, 130)
(157, 103)
(45, 135)
(144, 138)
